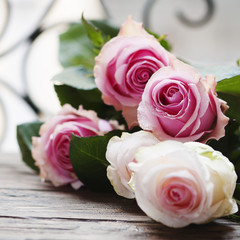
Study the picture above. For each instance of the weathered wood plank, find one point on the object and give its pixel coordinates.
(61, 229)
(53, 228)
(30, 209)
(81, 204)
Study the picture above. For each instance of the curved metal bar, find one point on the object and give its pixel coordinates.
(146, 12)
(32, 38)
(7, 17)
(24, 97)
(198, 23)
(4, 120)
(52, 2)
(105, 8)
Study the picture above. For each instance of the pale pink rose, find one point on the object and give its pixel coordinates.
(51, 149)
(182, 183)
(124, 66)
(120, 152)
(178, 104)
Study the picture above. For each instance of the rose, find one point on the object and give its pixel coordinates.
(51, 149)
(120, 152)
(182, 183)
(178, 104)
(124, 66)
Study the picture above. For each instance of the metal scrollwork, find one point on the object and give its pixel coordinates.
(32, 34)
(6, 7)
(198, 23)
(188, 22)
(40, 29)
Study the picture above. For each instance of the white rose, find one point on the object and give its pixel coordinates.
(178, 184)
(120, 152)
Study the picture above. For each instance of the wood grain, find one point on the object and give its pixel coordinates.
(30, 209)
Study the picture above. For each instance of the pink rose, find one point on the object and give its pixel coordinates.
(124, 66)
(182, 183)
(178, 104)
(120, 152)
(51, 149)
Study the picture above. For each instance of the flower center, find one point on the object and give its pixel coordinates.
(175, 195)
(170, 97)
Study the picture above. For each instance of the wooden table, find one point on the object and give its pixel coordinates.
(30, 209)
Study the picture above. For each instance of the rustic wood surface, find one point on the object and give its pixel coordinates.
(30, 209)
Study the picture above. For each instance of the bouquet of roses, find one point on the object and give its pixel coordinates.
(138, 120)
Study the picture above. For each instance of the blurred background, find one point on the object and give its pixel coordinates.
(200, 31)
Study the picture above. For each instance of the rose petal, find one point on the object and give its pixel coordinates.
(120, 152)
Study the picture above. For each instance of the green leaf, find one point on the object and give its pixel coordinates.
(235, 155)
(89, 99)
(229, 90)
(229, 85)
(77, 88)
(24, 137)
(233, 102)
(93, 33)
(108, 30)
(78, 77)
(75, 48)
(237, 192)
(88, 159)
